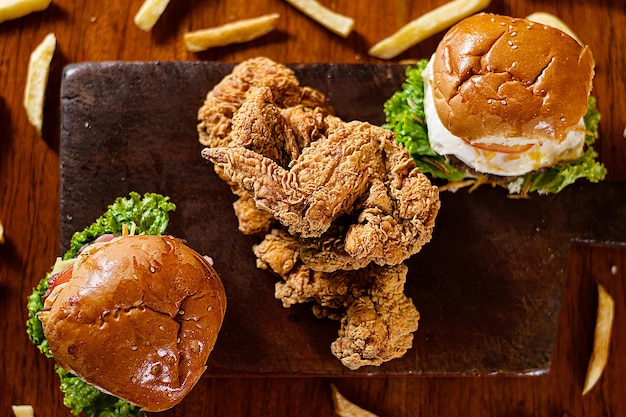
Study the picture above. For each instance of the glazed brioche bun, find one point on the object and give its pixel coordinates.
(510, 81)
(138, 319)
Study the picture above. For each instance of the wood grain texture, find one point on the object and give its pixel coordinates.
(97, 31)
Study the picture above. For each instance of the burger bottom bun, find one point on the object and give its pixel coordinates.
(138, 319)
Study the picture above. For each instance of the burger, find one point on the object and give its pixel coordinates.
(504, 101)
(130, 316)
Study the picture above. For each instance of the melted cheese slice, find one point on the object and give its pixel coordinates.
(541, 154)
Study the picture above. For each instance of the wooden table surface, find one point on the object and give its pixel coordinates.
(104, 31)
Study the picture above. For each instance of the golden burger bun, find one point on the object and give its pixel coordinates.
(498, 80)
(138, 319)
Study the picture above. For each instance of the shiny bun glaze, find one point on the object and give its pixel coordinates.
(510, 81)
(138, 319)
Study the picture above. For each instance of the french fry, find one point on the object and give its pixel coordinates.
(23, 410)
(236, 32)
(601, 339)
(425, 26)
(2, 240)
(335, 22)
(551, 20)
(37, 80)
(149, 13)
(345, 408)
(13, 9)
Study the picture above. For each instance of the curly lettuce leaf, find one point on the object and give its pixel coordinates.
(405, 116)
(150, 213)
(34, 328)
(86, 400)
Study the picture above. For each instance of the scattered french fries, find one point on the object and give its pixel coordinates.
(13, 9)
(346, 408)
(240, 31)
(149, 13)
(425, 26)
(37, 80)
(23, 410)
(335, 22)
(551, 20)
(601, 339)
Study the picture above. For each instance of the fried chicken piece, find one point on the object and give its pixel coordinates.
(278, 134)
(308, 123)
(251, 220)
(322, 184)
(267, 134)
(393, 222)
(344, 205)
(224, 100)
(358, 170)
(378, 327)
(377, 318)
(278, 252)
(260, 126)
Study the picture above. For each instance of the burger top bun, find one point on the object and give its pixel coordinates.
(138, 319)
(510, 81)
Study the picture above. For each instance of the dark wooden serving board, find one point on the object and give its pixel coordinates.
(488, 286)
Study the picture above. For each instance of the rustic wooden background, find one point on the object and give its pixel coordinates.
(104, 31)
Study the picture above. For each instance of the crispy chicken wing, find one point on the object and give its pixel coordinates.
(392, 221)
(323, 183)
